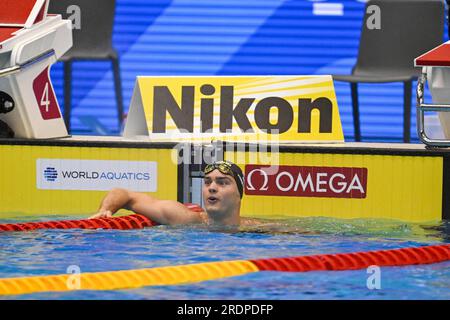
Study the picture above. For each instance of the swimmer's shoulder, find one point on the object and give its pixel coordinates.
(245, 222)
(197, 212)
(201, 214)
(203, 217)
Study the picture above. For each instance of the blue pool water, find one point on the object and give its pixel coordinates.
(44, 252)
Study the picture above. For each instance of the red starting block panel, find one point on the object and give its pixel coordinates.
(439, 56)
(6, 33)
(23, 13)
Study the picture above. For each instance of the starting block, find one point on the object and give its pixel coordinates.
(436, 71)
(30, 42)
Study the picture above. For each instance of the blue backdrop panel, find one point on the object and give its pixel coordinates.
(234, 37)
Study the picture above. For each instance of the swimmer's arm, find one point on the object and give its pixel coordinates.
(162, 211)
(159, 211)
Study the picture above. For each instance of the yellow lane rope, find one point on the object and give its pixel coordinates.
(127, 279)
(173, 275)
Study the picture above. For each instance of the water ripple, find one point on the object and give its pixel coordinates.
(53, 251)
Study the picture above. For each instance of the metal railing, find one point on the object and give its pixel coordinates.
(422, 108)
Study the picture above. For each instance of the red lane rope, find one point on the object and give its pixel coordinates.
(357, 260)
(135, 221)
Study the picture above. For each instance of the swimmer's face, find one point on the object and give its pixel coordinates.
(220, 193)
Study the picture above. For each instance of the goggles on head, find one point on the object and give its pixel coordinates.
(222, 166)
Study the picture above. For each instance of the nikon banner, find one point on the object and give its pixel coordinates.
(242, 108)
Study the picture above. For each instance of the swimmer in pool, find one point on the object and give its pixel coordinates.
(222, 193)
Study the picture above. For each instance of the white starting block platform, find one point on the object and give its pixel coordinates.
(436, 70)
(30, 42)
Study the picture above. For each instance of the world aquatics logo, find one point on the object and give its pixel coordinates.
(50, 174)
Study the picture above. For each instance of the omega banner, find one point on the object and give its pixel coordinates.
(306, 181)
(238, 108)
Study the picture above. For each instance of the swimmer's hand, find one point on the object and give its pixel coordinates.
(102, 214)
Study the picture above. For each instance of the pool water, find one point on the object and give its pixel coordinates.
(44, 252)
